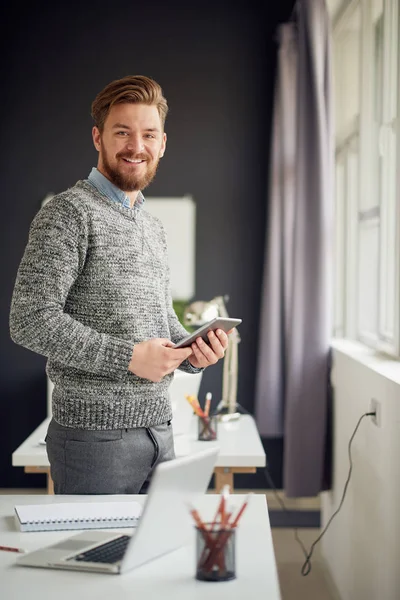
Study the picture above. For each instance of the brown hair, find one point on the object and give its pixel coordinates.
(130, 89)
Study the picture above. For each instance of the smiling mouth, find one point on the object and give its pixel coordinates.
(133, 161)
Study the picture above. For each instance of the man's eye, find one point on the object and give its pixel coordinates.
(122, 133)
(149, 136)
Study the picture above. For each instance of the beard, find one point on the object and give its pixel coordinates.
(129, 182)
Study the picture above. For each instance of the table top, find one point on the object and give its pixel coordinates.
(239, 443)
(168, 577)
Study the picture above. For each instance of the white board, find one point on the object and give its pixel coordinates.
(178, 215)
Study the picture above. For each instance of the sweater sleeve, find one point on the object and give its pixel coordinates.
(53, 259)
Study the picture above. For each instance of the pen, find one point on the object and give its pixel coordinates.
(10, 549)
(207, 405)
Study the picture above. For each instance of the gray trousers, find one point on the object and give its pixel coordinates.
(117, 461)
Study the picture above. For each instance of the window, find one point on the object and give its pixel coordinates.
(367, 261)
(347, 89)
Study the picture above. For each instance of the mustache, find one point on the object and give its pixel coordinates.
(132, 156)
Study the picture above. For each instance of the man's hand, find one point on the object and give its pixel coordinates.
(204, 355)
(156, 358)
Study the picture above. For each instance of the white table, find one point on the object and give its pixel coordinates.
(168, 577)
(241, 450)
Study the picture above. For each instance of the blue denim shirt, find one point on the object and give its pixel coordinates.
(104, 186)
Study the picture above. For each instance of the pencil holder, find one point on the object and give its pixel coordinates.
(207, 428)
(215, 554)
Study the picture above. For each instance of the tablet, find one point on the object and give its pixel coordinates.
(219, 323)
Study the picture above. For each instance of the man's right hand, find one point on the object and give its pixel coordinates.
(156, 358)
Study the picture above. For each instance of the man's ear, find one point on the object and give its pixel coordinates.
(163, 145)
(96, 138)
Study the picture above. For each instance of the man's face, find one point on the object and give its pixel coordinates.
(130, 146)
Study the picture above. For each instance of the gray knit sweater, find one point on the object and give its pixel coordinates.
(93, 282)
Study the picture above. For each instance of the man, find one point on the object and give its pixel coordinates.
(92, 294)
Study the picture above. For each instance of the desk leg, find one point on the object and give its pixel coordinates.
(50, 484)
(224, 476)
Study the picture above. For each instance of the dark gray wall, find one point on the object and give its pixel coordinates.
(215, 62)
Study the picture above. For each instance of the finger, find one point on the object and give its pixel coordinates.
(216, 345)
(166, 342)
(223, 338)
(180, 354)
(201, 360)
(206, 351)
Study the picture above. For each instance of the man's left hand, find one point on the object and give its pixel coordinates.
(205, 354)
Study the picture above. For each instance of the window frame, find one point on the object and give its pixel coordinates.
(383, 208)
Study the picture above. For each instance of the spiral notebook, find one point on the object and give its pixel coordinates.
(80, 515)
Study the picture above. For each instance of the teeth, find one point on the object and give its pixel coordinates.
(133, 161)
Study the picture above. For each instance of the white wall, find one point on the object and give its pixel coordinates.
(362, 545)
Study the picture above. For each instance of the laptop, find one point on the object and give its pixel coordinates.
(165, 524)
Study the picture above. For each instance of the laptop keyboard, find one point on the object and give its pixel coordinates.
(110, 552)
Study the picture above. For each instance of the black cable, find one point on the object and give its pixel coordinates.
(271, 483)
(306, 568)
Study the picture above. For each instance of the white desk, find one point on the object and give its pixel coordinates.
(168, 577)
(241, 450)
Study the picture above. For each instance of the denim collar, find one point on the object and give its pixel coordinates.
(104, 186)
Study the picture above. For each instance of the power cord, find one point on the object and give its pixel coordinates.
(306, 568)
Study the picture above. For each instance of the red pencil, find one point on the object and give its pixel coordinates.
(200, 525)
(10, 549)
(236, 519)
(216, 549)
(195, 405)
(221, 506)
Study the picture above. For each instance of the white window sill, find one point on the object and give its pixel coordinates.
(380, 363)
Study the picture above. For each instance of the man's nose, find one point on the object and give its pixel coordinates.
(135, 143)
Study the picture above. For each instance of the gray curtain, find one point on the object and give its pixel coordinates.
(293, 367)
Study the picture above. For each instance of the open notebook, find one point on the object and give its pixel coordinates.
(77, 515)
